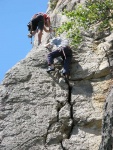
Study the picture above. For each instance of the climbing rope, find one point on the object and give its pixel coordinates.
(53, 33)
(31, 40)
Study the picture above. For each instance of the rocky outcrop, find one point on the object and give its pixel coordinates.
(34, 108)
(107, 123)
(39, 112)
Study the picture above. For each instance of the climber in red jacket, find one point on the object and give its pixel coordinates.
(38, 23)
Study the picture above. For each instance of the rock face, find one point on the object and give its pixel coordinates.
(37, 112)
(107, 127)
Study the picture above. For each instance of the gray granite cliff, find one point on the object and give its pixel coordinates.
(38, 112)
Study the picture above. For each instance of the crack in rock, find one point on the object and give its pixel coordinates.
(62, 128)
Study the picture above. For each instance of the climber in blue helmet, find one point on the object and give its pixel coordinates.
(64, 51)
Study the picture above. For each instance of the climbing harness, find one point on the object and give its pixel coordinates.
(63, 53)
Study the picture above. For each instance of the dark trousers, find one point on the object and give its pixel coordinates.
(66, 55)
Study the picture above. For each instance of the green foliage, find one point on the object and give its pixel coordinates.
(53, 4)
(93, 12)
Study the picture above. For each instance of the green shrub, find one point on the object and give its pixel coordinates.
(93, 12)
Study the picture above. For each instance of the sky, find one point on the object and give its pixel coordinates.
(14, 43)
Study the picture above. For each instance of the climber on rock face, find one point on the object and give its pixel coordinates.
(37, 24)
(63, 51)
